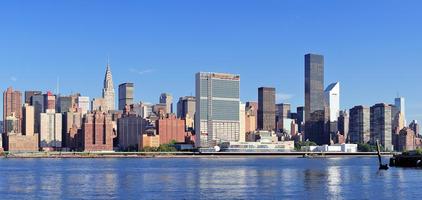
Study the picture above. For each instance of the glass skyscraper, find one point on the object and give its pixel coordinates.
(217, 108)
(314, 100)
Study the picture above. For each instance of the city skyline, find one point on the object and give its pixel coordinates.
(367, 64)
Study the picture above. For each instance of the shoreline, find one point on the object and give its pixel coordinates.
(99, 155)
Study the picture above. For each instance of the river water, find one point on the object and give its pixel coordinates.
(206, 178)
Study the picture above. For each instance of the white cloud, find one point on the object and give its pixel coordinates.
(280, 97)
(13, 78)
(141, 72)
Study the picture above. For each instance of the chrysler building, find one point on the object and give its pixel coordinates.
(108, 90)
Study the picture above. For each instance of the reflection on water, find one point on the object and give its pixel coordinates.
(251, 178)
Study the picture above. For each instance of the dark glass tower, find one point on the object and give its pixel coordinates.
(315, 126)
(266, 108)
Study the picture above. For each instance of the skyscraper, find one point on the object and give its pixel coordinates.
(283, 111)
(186, 106)
(359, 125)
(108, 91)
(381, 129)
(186, 110)
(300, 118)
(38, 102)
(217, 108)
(167, 99)
(49, 101)
(400, 106)
(332, 100)
(12, 106)
(343, 124)
(314, 100)
(126, 91)
(266, 108)
(83, 104)
(30, 94)
(51, 129)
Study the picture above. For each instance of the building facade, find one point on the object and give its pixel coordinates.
(130, 131)
(315, 125)
(217, 108)
(266, 109)
(186, 110)
(283, 111)
(381, 129)
(12, 106)
(167, 99)
(83, 104)
(108, 91)
(27, 140)
(170, 128)
(97, 131)
(30, 94)
(359, 125)
(51, 130)
(126, 93)
(332, 100)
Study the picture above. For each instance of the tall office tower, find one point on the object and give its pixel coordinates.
(283, 111)
(314, 100)
(12, 106)
(126, 91)
(332, 100)
(343, 124)
(49, 101)
(400, 107)
(217, 108)
(266, 108)
(38, 102)
(186, 106)
(414, 125)
(381, 125)
(359, 125)
(108, 91)
(83, 104)
(97, 132)
(186, 110)
(51, 129)
(167, 99)
(300, 120)
(64, 104)
(30, 94)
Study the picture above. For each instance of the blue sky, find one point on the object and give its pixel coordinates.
(371, 47)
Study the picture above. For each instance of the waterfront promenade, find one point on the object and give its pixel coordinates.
(184, 154)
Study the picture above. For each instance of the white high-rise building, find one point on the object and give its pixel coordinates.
(108, 91)
(332, 100)
(51, 129)
(83, 104)
(217, 108)
(242, 115)
(400, 106)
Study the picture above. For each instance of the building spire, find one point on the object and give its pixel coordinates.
(108, 63)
